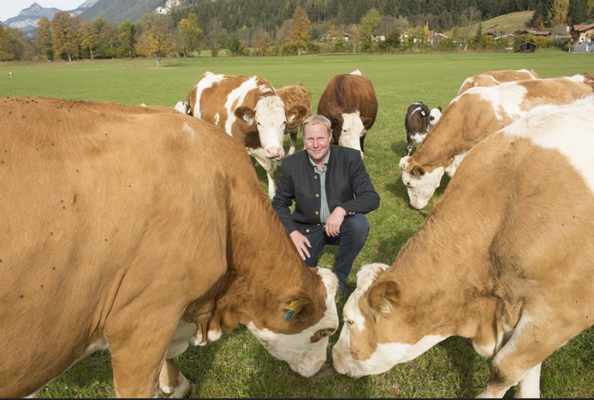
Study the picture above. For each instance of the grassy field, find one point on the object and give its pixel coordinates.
(236, 365)
(507, 23)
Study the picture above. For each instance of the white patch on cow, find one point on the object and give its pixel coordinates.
(217, 118)
(466, 81)
(352, 130)
(181, 339)
(235, 99)
(196, 340)
(356, 72)
(505, 98)
(188, 129)
(303, 356)
(434, 117)
(143, 105)
(568, 129)
(271, 117)
(214, 335)
(420, 188)
(524, 70)
(180, 391)
(207, 82)
(269, 166)
(529, 385)
(577, 78)
(453, 167)
(32, 395)
(418, 137)
(180, 107)
(510, 346)
(416, 110)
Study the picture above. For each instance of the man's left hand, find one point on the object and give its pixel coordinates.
(334, 222)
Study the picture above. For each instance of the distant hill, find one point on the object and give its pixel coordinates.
(121, 10)
(507, 23)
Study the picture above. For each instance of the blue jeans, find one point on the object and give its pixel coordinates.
(353, 234)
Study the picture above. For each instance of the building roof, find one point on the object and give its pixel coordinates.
(582, 27)
(534, 33)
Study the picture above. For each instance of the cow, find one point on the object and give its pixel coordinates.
(123, 227)
(474, 115)
(493, 78)
(349, 102)
(10, 74)
(418, 120)
(503, 259)
(249, 110)
(295, 95)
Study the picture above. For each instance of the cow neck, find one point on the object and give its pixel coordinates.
(444, 271)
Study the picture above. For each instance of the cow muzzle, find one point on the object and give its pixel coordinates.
(275, 153)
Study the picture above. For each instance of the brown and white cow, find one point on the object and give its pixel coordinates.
(493, 78)
(248, 109)
(349, 102)
(476, 114)
(295, 95)
(418, 121)
(124, 228)
(504, 259)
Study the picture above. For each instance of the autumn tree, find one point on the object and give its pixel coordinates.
(261, 41)
(559, 12)
(127, 36)
(3, 55)
(44, 38)
(369, 24)
(64, 39)
(156, 36)
(87, 36)
(300, 29)
(190, 34)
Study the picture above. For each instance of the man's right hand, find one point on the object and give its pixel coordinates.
(301, 242)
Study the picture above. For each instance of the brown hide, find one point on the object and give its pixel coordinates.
(117, 221)
(295, 95)
(347, 93)
(469, 119)
(493, 78)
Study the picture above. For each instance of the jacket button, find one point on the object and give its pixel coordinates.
(315, 177)
(319, 225)
(317, 195)
(317, 213)
(307, 231)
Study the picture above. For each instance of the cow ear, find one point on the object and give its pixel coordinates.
(416, 170)
(384, 296)
(439, 108)
(245, 114)
(367, 123)
(335, 116)
(296, 307)
(296, 114)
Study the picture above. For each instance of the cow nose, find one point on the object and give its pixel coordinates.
(276, 153)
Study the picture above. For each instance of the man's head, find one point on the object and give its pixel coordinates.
(317, 135)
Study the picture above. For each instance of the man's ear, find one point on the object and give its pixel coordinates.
(245, 114)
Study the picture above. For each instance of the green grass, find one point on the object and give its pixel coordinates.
(236, 365)
(507, 23)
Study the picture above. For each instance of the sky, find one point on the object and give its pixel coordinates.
(12, 8)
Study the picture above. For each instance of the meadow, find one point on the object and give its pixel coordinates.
(236, 365)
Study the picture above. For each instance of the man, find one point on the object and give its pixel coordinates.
(332, 192)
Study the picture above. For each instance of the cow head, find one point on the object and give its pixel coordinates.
(296, 115)
(270, 120)
(348, 127)
(434, 116)
(295, 330)
(378, 332)
(420, 186)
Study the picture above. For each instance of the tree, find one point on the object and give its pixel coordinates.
(87, 36)
(190, 34)
(44, 38)
(300, 29)
(261, 41)
(3, 55)
(14, 44)
(369, 24)
(156, 36)
(470, 16)
(559, 12)
(235, 46)
(354, 36)
(578, 11)
(214, 36)
(127, 36)
(64, 35)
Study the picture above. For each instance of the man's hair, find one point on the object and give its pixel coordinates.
(317, 119)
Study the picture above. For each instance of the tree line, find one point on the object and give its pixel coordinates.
(261, 27)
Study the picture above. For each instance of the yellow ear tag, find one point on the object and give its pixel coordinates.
(291, 307)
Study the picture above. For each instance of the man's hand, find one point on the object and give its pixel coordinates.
(334, 221)
(301, 242)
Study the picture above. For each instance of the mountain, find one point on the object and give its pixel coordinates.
(121, 10)
(83, 7)
(27, 19)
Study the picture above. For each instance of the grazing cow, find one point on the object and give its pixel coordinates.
(349, 102)
(248, 109)
(10, 75)
(504, 259)
(124, 228)
(477, 113)
(295, 95)
(493, 78)
(418, 120)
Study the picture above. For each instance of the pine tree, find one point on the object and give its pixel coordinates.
(300, 29)
(578, 12)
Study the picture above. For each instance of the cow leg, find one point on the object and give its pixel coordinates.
(293, 135)
(520, 358)
(270, 168)
(173, 383)
(409, 145)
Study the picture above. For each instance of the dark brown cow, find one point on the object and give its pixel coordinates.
(125, 228)
(349, 101)
(295, 95)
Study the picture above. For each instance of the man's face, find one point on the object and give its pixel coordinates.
(317, 141)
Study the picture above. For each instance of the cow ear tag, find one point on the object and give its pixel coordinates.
(245, 118)
(423, 113)
(291, 307)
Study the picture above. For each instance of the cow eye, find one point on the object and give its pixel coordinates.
(258, 123)
(349, 321)
(431, 118)
(323, 334)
